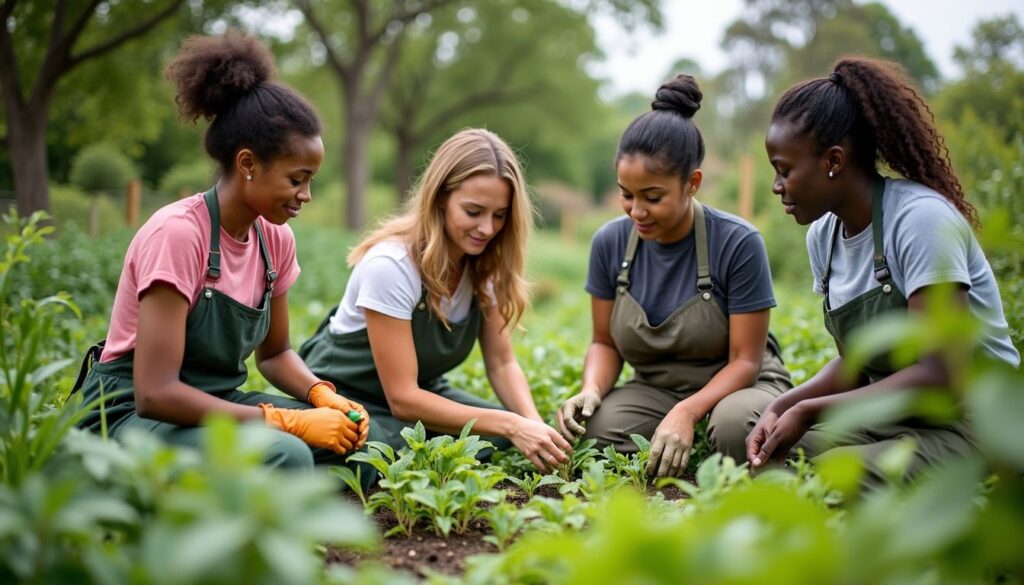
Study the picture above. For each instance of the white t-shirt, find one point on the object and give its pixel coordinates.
(926, 241)
(387, 281)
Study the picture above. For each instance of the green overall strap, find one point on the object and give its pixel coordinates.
(704, 284)
(213, 264)
(627, 261)
(881, 267)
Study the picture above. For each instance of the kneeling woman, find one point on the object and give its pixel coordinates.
(205, 280)
(679, 290)
(876, 245)
(425, 286)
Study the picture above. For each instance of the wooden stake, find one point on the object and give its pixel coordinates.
(746, 203)
(133, 201)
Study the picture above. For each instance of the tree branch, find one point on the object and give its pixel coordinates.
(336, 61)
(112, 43)
(405, 16)
(490, 96)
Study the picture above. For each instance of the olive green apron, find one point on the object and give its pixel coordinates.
(886, 298)
(347, 361)
(220, 333)
(671, 360)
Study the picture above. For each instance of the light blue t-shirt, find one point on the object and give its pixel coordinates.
(926, 241)
(664, 276)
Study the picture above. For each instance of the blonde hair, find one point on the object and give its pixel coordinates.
(468, 153)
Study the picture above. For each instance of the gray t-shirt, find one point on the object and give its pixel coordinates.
(664, 276)
(926, 241)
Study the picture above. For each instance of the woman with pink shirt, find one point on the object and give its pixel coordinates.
(205, 280)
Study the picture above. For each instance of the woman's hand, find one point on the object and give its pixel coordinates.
(541, 444)
(575, 410)
(671, 443)
(323, 394)
(774, 435)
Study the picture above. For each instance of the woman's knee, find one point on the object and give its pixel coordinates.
(733, 419)
(287, 451)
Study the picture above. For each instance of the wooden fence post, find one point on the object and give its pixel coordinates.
(133, 201)
(746, 203)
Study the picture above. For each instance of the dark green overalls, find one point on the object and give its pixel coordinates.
(346, 360)
(220, 333)
(935, 444)
(674, 359)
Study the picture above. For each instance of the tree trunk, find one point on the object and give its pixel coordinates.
(356, 163)
(26, 140)
(404, 146)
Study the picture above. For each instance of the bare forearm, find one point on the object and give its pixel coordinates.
(184, 405)
(923, 375)
(447, 416)
(826, 382)
(509, 383)
(601, 368)
(288, 373)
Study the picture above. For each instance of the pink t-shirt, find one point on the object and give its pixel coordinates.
(173, 248)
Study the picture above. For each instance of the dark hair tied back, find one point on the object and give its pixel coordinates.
(227, 79)
(874, 104)
(681, 95)
(666, 135)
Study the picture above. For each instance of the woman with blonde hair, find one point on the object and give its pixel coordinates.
(425, 286)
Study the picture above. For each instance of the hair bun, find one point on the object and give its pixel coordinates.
(213, 73)
(681, 95)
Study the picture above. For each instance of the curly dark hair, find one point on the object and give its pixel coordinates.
(667, 135)
(874, 103)
(226, 79)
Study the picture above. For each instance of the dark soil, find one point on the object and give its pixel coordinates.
(426, 550)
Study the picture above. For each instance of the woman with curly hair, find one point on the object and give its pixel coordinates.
(877, 245)
(424, 287)
(205, 280)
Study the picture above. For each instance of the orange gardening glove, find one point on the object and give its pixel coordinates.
(318, 427)
(323, 394)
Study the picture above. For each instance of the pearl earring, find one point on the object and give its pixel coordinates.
(249, 177)
(831, 174)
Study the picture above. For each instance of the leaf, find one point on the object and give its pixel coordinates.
(43, 372)
(996, 404)
(291, 561)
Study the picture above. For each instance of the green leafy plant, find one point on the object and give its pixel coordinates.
(531, 481)
(32, 420)
(507, 521)
(632, 466)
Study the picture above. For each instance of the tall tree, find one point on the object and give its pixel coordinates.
(363, 42)
(480, 64)
(41, 43)
(776, 42)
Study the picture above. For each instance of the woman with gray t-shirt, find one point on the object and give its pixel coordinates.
(876, 246)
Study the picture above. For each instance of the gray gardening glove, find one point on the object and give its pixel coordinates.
(575, 410)
(670, 445)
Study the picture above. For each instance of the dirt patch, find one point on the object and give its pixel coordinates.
(421, 550)
(424, 549)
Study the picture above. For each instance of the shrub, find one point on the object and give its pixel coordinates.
(101, 166)
(187, 178)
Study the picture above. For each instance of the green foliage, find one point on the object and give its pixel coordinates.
(187, 178)
(632, 466)
(101, 167)
(439, 480)
(30, 428)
